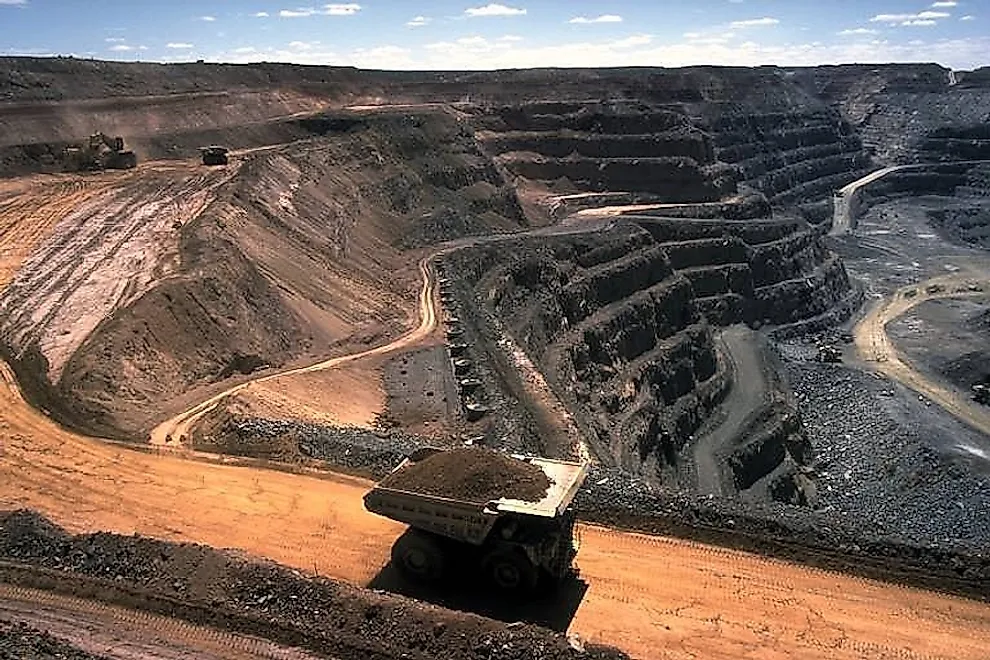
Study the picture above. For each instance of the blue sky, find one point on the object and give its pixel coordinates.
(466, 34)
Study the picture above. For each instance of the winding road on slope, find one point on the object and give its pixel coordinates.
(180, 427)
(870, 333)
(652, 596)
(874, 345)
(749, 392)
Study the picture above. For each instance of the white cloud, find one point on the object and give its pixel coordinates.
(474, 52)
(208, 19)
(114, 40)
(494, 10)
(701, 38)
(121, 48)
(348, 9)
(856, 31)
(303, 45)
(945, 3)
(633, 41)
(179, 45)
(968, 17)
(13, 2)
(604, 18)
(921, 18)
(243, 50)
(754, 22)
(920, 23)
(510, 37)
(260, 14)
(385, 57)
(418, 21)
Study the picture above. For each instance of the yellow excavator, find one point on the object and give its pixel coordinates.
(100, 152)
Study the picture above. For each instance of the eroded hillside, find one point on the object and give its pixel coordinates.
(176, 277)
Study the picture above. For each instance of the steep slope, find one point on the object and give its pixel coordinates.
(180, 277)
(621, 325)
(910, 112)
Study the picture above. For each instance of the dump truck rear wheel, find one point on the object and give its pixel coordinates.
(510, 571)
(419, 556)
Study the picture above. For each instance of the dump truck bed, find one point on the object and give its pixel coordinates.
(471, 521)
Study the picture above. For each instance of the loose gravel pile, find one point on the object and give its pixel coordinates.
(368, 452)
(21, 642)
(474, 475)
(886, 465)
(211, 587)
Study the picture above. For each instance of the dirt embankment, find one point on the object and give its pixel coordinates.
(210, 587)
(290, 255)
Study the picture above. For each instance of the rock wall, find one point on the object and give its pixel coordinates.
(790, 157)
(598, 147)
(769, 271)
(621, 326)
(908, 113)
(615, 330)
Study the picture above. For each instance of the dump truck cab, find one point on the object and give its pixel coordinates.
(515, 544)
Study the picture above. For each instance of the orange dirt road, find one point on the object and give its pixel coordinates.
(654, 597)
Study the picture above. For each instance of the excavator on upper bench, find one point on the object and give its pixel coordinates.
(100, 152)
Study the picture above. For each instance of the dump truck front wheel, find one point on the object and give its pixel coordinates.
(419, 556)
(510, 571)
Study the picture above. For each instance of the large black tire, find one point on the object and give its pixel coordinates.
(510, 571)
(419, 556)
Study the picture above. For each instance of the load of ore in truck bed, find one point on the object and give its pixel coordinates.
(473, 475)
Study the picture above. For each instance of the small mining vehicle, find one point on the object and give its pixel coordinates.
(214, 155)
(99, 152)
(516, 545)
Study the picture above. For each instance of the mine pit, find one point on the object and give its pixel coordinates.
(753, 300)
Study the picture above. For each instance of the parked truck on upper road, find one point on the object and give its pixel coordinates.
(515, 544)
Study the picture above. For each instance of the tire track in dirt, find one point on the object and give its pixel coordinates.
(106, 249)
(27, 217)
(116, 632)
